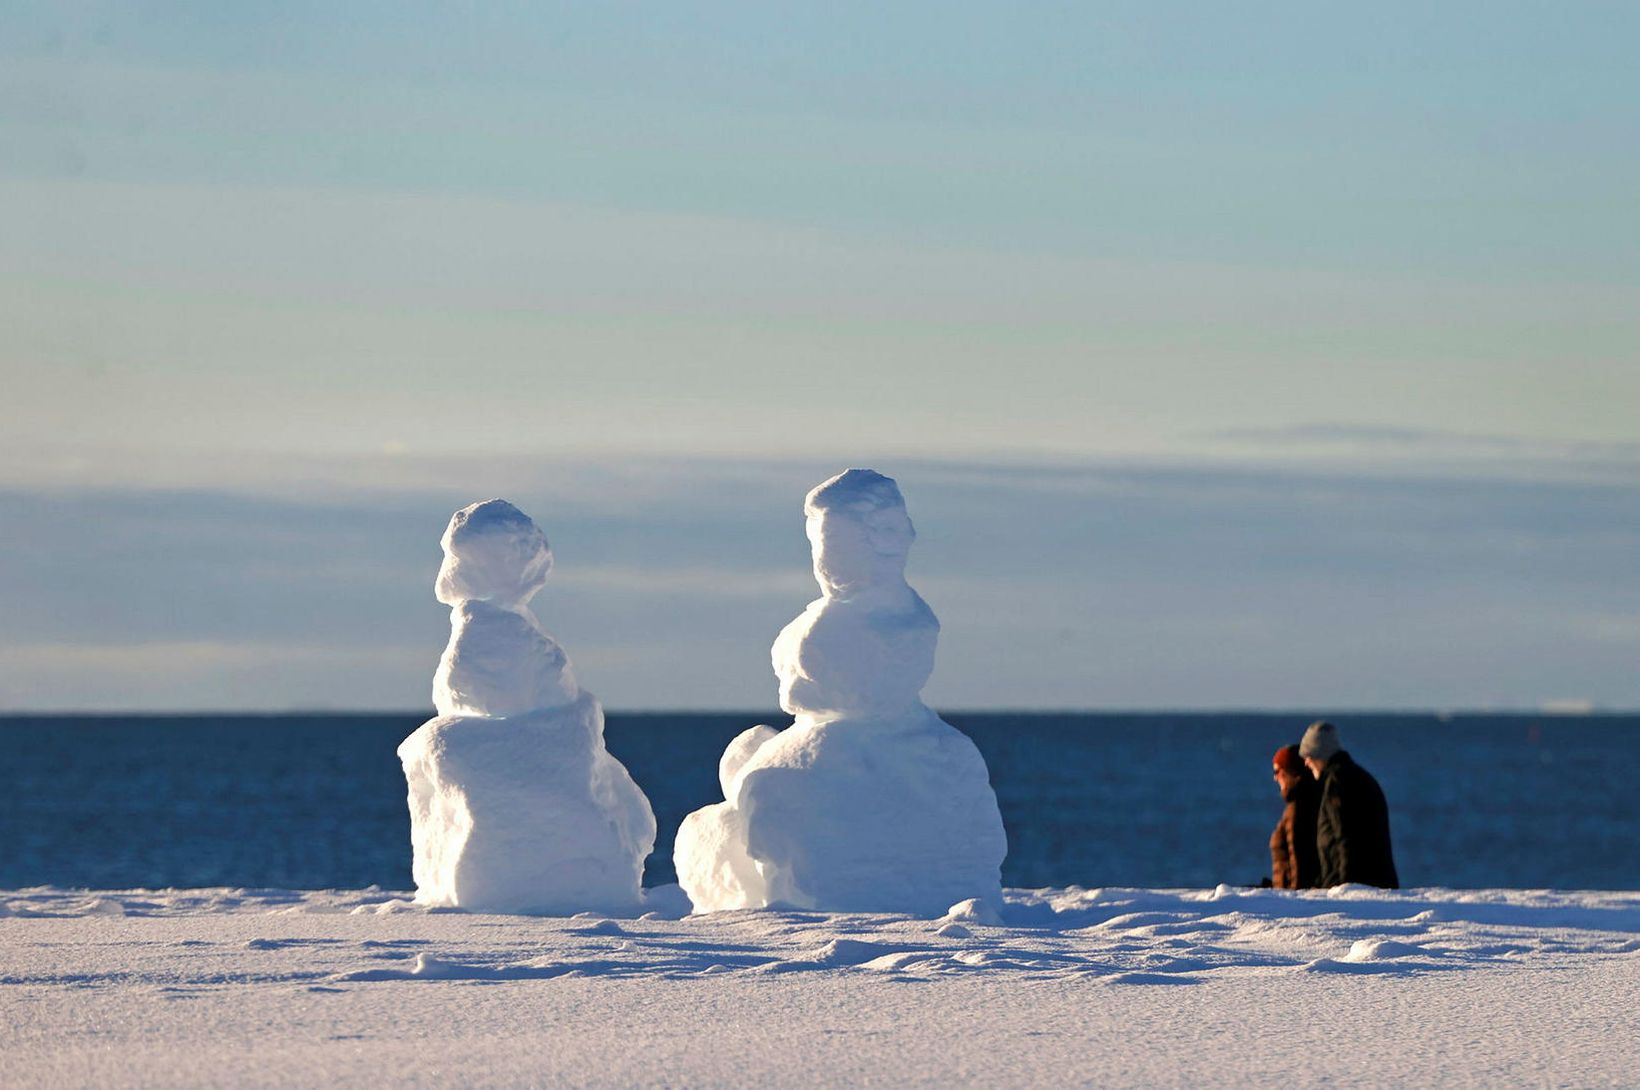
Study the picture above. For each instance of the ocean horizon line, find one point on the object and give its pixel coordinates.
(1479, 711)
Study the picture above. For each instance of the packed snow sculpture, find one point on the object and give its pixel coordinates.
(515, 805)
(869, 801)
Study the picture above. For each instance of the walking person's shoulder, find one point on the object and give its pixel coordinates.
(1343, 773)
(1351, 785)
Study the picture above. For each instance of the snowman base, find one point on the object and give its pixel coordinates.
(850, 815)
(527, 814)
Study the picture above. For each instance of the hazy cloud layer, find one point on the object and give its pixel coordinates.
(1067, 586)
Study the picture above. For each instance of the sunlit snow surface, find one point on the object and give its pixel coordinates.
(1107, 986)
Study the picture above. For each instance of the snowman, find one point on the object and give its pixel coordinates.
(868, 801)
(515, 804)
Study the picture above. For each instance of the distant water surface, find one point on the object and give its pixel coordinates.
(1155, 800)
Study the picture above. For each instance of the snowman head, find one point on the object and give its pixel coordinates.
(859, 532)
(493, 552)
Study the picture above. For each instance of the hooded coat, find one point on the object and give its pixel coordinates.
(1294, 862)
(1352, 827)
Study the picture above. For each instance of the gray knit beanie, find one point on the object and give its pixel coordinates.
(1320, 741)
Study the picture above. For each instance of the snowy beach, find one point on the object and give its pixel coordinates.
(805, 944)
(785, 546)
(1111, 987)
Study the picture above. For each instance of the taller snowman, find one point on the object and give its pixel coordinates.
(515, 804)
(868, 801)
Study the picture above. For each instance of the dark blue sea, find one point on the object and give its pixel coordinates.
(1156, 800)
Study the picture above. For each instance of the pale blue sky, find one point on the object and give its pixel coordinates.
(315, 252)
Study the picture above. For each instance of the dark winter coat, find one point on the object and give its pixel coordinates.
(1294, 863)
(1352, 827)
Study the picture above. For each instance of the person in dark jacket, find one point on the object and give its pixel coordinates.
(1352, 825)
(1294, 863)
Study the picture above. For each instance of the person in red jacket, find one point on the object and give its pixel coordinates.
(1294, 862)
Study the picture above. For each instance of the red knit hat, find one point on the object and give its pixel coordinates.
(1288, 760)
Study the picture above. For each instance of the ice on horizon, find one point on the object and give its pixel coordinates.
(515, 804)
(869, 801)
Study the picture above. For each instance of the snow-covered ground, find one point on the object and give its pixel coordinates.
(1109, 987)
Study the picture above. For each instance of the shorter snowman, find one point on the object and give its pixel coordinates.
(515, 804)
